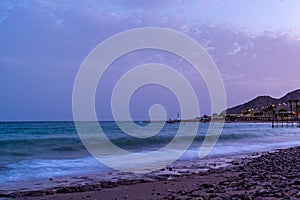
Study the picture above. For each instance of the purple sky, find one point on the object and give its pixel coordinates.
(255, 44)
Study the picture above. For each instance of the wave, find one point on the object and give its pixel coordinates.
(39, 148)
(66, 148)
(66, 142)
(31, 150)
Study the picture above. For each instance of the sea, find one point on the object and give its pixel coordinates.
(37, 150)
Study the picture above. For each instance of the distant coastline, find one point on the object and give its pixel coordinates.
(263, 109)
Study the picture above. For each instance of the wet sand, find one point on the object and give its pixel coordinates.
(267, 175)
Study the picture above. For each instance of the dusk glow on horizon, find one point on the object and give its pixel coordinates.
(255, 45)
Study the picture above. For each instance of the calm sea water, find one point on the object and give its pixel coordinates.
(35, 150)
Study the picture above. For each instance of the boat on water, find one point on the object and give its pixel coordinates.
(173, 121)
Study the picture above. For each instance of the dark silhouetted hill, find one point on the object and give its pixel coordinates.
(264, 101)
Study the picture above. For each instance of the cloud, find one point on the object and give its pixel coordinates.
(237, 49)
(232, 76)
(10, 60)
(149, 5)
(48, 40)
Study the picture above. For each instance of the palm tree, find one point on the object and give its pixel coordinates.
(297, 106)
(270, 110)
(291, 107)
(264, 111)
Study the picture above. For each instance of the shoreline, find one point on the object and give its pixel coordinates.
(271, 174)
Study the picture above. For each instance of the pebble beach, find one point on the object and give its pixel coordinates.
(267, 175)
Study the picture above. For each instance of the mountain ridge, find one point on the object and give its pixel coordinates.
(263, 101)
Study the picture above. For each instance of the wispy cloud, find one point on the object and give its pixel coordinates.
(230, 76)
(55, 36)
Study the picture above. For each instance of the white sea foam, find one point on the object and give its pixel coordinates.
(45, 150)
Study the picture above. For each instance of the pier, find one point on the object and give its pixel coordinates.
(277, 123)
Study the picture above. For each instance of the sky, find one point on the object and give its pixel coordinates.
(255, 45)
